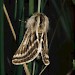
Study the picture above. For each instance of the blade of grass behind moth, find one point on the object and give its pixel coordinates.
(22, 26)
(31, 10)
(9, 21)
(15, 10)
(33, 73)
(2, 71)
(31, 7)
(20, 6)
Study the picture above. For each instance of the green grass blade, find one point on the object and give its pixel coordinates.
(20, 15)
(22, 26)
(15, 12)
(31, 11)
(20, 7)
(2, 71)
(31, 7)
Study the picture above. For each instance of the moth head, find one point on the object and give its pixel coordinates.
(43, 22)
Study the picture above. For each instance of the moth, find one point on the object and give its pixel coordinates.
(34, 41)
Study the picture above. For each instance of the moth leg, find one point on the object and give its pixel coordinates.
(44, 52)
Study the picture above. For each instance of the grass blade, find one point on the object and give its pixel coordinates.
(15, 12)
(20, 6)
(31, 7)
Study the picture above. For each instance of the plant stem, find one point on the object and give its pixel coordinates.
(26, 69)
(15, 12)
(31, 7)
(33, 68)
(9, 21)
(43, 70)
(39, 5)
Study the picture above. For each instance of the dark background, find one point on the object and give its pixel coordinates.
(60, 48)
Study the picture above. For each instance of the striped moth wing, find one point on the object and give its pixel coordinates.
(28, 49)
(44, 52)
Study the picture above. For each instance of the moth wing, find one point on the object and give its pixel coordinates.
(23, 45)
(27, 51)
(44, 52)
